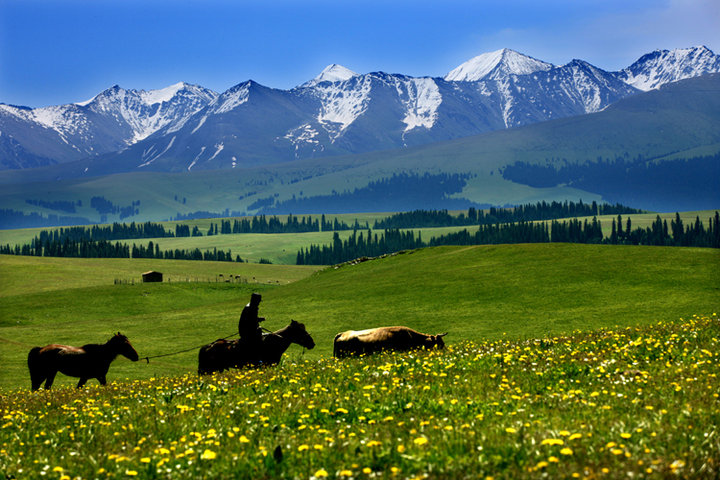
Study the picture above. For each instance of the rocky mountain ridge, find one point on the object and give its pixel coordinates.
(187, 127)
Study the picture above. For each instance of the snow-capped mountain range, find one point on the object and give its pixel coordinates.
(188, 127)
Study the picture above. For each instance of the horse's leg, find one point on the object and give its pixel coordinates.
(37, 378)
(50, 379)
(37, 381)
(37, 373)
(81, 382)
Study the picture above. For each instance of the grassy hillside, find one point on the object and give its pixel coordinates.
(475, 293)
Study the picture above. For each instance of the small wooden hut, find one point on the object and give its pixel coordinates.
(152, 276)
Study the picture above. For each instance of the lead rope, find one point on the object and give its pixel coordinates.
(147, 359)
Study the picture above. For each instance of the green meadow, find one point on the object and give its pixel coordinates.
(474, 293)
(562, 361)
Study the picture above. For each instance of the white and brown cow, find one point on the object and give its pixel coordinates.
(359, 342)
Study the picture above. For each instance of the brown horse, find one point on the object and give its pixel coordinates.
(89, 361)
(223, 354)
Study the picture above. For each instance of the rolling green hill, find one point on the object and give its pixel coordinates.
(474, 293)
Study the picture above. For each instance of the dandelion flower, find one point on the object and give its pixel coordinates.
(130, 473)
(626, 435)
(510, 430)
(566, 451)
(321, 473)
(345, 473)
(208, 455)
(420, 441)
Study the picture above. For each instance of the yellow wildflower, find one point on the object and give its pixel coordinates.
(208, 455)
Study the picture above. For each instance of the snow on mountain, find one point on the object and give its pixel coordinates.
(421, 98)
(331, 73)
(231, 99)
(664, 66)
(342, 102)
(496, 65)
(152, 97)
(592, 88)
(146, 112)
(337, 112)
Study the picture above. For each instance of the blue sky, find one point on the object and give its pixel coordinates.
(54, 52)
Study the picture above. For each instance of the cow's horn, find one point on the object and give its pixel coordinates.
(443, 334)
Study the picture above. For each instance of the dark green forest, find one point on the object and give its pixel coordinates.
(369, 244)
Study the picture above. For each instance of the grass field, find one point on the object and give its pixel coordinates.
(563, 361)
(612, 403)
(475, 293)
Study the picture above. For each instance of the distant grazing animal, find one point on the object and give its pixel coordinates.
(359, 342)
(89, 361)
(223, 354)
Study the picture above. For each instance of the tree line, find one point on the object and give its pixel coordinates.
(107, 249)
(528, 212)
(258, 224)
(293, 224)
(369, 244)
(95, 242)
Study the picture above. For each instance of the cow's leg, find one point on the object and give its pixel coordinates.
(102, 380)
(81, 382)
(50, 379)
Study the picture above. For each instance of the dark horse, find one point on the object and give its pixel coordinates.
(223, 354)
(89, 361)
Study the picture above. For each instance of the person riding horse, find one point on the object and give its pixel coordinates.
(249, 326)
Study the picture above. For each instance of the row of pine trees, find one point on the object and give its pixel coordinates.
(71, 242)
(369, 244)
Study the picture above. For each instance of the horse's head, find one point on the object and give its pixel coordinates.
(122, 346)
(297, 334)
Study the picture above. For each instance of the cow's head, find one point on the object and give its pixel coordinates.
(436, 341)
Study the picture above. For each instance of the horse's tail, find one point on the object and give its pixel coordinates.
(336, 350)
(36, 375)
(203, 360)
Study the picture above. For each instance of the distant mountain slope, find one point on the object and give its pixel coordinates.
(187, 128)
(496, 65)
(658, 150)
(665, 66)
(108, 122)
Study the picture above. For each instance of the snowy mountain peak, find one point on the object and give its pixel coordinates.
(161, 95)
(495, 65)
(332, 73)
(664, 66)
